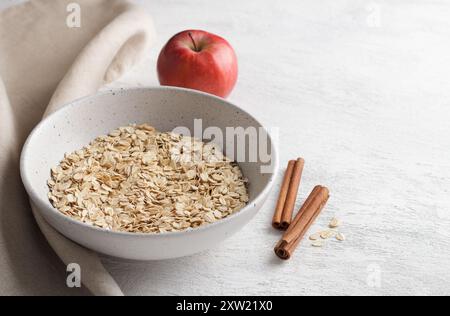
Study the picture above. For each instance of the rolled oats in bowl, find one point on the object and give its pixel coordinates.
(136, 179)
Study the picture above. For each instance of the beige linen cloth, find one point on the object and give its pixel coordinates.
(44, 64)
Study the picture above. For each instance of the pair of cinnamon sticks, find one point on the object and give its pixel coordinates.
(311, 208)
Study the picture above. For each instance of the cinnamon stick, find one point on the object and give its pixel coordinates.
(302, 221)
(276, 221)
(288, 209)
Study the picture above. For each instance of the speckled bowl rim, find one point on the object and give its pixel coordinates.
(38, 200)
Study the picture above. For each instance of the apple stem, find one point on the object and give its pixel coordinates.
(193, 42)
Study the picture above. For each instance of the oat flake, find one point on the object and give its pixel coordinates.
(327, 234)
(315, 236)
(317, 244)
(334, 223)
(340, 237)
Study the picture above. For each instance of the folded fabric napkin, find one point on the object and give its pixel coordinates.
(52, 52)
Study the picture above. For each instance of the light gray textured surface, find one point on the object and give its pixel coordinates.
(360, 90)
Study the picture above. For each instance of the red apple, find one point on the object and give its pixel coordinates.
(198, 60)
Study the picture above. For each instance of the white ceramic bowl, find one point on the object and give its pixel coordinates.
(79, 122)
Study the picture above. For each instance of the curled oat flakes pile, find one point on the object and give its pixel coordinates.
(137, 179)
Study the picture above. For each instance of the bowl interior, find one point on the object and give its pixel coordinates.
(78, 123)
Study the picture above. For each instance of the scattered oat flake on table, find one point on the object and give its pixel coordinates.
(327, 234)
(317, 244)
(315, 236)
(340, 237)
(137, 179)
(334, 223)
